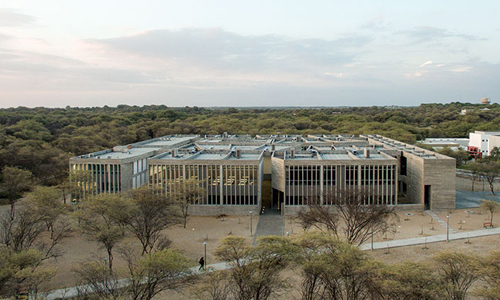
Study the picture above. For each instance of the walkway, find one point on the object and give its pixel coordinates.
(440, 221)
(431, 239)
(270, 223)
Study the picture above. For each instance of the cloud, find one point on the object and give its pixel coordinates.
(13, 19)
(429, 62)
(424, 34)
(216, 48)
(461, 69)
(375, 23)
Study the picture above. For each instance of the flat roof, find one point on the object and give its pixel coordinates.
(336, 156)
(165, 141)
(130, 153)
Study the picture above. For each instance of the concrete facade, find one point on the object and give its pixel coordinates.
(242, 173)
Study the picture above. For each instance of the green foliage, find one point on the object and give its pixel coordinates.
(41, 139)
(151, 212)
(460, 156)
(102, 219)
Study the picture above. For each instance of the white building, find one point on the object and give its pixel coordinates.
(482, 142)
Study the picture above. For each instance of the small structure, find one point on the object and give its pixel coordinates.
(485, 101)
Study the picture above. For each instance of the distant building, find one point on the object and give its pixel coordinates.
(482, 142)
(452, 143)
(485, 101)
(243, 173)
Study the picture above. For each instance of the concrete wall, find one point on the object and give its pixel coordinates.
(278, 173)
(440, 175)
(293, 210)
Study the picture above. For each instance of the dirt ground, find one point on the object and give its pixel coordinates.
(190, 240)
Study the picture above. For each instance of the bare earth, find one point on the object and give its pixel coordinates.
(190, 240)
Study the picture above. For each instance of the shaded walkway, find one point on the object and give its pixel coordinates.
(270, 223)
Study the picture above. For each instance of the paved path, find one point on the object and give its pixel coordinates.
(431, 239)
(466, 199)
(270, 223)
(440, 221)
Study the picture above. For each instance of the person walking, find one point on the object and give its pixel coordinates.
(202, 263)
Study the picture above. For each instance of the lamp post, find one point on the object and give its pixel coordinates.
(372, 236)
(251, 223)
(447, 228)
(205, 263)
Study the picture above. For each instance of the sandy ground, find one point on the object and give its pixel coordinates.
(190, 241)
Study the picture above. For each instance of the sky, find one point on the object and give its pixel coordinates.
(55, 53)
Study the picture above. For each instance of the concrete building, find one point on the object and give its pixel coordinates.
(243, 173)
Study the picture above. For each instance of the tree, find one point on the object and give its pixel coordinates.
(15, 182)
(96, 280)
(460, 156)
(186, 192)
(152, 212)
(48, 205)
(457, 272)
(475, 172)
(490, 206)
(255, 272)
(155, 272)
(79, 180)
(214, 286)
(101, 218)
(409, 281)
(490, 271)
(490, 170)
(360, 217)
(24, 249)
(332, 269)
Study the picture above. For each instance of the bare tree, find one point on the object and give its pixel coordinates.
(360, 217)
(24, 250)
(214, 286)
(186, 192)
(457, 272)
(96, 282)
(152, 212)
(490, 206)
(475, 172)
(255, 272)
(332, 269)
(489, 169)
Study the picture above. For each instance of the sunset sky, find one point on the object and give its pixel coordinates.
(248, 53)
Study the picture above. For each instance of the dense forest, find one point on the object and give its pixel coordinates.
(42, 139)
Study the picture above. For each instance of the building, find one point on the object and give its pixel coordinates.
(482, 142)
(243, 173)
(452, 143)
